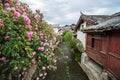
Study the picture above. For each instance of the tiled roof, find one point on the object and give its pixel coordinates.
(95, 18)
(110, 24)
(116, 14)
(101, 22)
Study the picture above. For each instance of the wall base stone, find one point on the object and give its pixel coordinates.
(93, 70)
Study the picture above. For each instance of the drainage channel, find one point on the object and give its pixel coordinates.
(67, 68)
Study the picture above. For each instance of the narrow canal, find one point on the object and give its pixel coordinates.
(67, 67)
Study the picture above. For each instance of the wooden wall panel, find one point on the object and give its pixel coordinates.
(102, 58)
(105, 51)
(99, 57)
(91, 53)
(115, 43)
(114, 65)
(89, 40)
(104, 44)
(113, 62)
(97, 44)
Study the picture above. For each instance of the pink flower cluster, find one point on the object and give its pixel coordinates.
(24, 69)
(10, 9)
(30, 27)
(17, 1)
(16, 14)
(11, 1)
(16, 68)
(37, 78)
(37, 16)
(46, 44)
(33, 61)
(19, 38)
(37, 11)
(1, 22)
(43, 75)
(7, 37)
(7, 5)
(29, 35)
(36, 28)
(33, 54)
(3, 59)
(23, 10)
(44, 68)
(41, 48)
(41, 35)
(17, 5)
(27, 20)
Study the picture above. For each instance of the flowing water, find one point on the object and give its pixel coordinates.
(67, 67)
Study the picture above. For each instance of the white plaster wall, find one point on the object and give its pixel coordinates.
(82, 37)
(55, 30)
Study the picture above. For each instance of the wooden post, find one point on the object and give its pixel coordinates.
(107, 50)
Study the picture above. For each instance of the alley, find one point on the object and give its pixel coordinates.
(67, 68)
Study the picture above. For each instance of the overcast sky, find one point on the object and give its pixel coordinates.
(68, 11)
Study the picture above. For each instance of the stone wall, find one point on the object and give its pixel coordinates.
(93, 70)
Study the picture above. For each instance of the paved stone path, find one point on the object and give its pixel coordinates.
(67, 68)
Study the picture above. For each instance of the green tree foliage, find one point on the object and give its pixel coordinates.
(73, 44)
(67, 36)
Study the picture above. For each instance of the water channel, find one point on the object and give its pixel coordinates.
(67, 67)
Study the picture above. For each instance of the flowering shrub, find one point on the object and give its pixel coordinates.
(25, 40)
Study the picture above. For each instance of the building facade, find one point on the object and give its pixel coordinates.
(101, 61)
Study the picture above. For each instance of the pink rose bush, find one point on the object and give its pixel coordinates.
(6, 4)
(33, 54)
(41, 35)
(41, 48)
(29, 35)
(16, 14)
(3, 59)
(37, 16)
(23, 10)
(25, 40)
(7, 37)
(27, 20)
(1, 23)
(44, 68)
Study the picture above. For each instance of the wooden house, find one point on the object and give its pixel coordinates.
(102, 44)
(85, 21)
